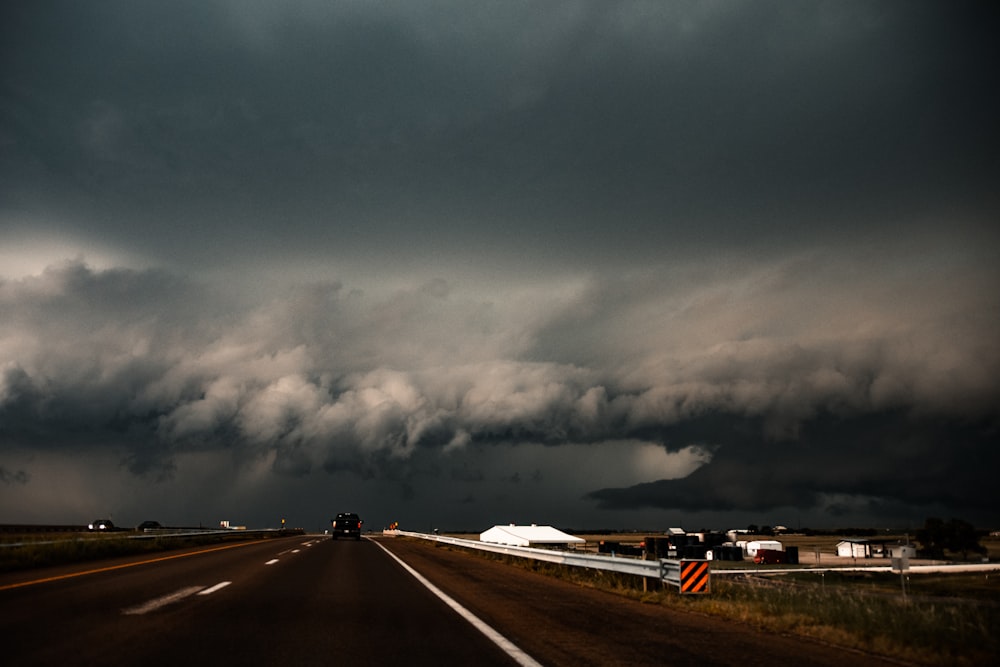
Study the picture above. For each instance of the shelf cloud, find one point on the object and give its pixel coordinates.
(573, 262)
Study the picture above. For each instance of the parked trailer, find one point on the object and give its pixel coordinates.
(751, 548)
(770, 557)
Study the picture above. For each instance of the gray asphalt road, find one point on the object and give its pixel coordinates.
(311, 600)
(289, 601)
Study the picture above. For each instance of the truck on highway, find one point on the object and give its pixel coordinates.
(347, 524)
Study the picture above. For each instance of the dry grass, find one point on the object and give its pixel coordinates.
(33, 551)
(945, 619)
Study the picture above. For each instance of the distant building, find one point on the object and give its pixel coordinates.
(751, 548)
(528, 536)
(854, 549)
(861, 548)
(735, 533)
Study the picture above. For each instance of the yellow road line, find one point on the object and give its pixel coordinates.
(124, 565)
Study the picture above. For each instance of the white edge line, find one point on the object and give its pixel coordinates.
(217, 587)
(163, 601)
(507, 646)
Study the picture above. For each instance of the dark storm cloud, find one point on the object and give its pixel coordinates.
(909, 459)
(511, 125)
(15, 477)
(695, 255)
(330, 379)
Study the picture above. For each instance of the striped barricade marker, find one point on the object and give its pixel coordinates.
(694, 576)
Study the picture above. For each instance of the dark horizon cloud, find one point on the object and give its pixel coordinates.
(328, 380)
(929, 461)
(593, 263)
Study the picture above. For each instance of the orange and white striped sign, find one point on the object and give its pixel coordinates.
(694, 576)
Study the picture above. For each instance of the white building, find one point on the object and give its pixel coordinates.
(528, 536)
(854, 549)
(751, 548)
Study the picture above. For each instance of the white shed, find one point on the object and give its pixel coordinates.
(751, 548)
(526, 536)
(854, 549)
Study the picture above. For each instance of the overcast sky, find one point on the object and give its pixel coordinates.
(452, 264)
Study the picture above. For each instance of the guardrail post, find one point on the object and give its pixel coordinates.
(670, 571)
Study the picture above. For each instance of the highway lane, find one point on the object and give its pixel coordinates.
(278, 602)
(313, 600)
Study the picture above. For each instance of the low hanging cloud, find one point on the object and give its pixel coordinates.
(781, 383)
(13, 476)
(638, 258)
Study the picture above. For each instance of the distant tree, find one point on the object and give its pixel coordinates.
(766, 530)
(956, 535)
(752, 529)
(932, 538)
(963, 538)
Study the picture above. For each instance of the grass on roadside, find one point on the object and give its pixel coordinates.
(34, 553)
(945, 619)
(920, 629)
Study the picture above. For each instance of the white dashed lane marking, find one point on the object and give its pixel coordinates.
(218, 586)
(177, 596)
(162, 601)
(156, 603)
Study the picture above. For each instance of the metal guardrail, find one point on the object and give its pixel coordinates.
(666, 570)
(948, 568)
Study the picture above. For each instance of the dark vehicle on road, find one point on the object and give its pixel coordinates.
(148, 525)
(347, 524)
(101, 524)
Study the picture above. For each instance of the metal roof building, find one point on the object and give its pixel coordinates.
(526, 536)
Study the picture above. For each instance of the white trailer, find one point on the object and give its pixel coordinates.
(750, 549)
